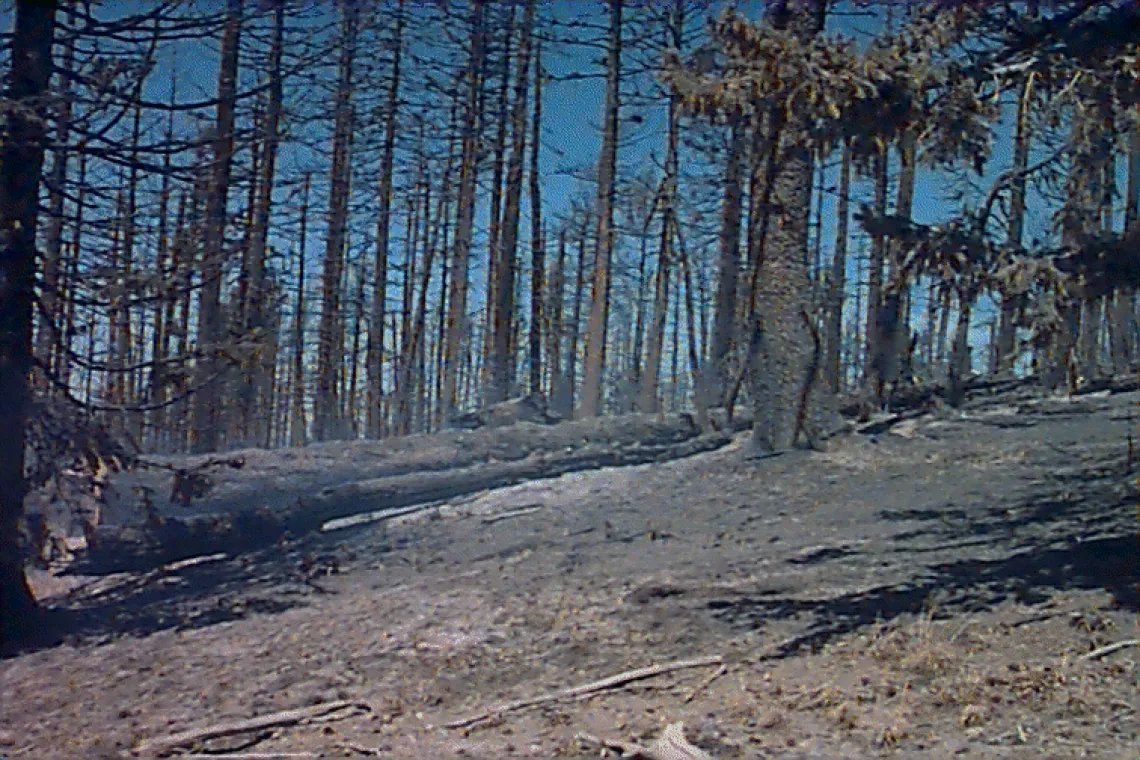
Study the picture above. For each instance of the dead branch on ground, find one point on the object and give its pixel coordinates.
(1104, 651)
(164, 745)
(584, 689)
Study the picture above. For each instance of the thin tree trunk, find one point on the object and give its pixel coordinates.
(501, 360)
(115, 380)
(164, 306)
(873, 335)
(1124, 311)
(298, 425)
(354, 355)
(960, 352)
(728, 264)
(607, 168)
(132, 421)
(675, 360)
(651, 372)
(1012, 305)
(554, 319)
(566, 401)
(204, 430)
(537, 237)
(638, 349)
(444, 221)
(376, 353)
(498, 155)
(1103, 183)
(419, 329)
(695, 380)
(326, 401)
(1063, 359)
(650, 381)
(838, 279)
(457, 320)
(893, 325)
(939, 358)
(264, 366)
(48, 335)
(65, 346)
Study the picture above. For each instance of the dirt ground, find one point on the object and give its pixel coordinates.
(931, 592)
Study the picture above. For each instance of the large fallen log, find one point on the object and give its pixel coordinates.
(130, 548)
(273, 477)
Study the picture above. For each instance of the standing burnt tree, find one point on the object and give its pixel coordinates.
(21, 165)
(768, 82)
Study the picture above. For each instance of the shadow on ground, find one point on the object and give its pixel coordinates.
(1081, 539)
(195, 596)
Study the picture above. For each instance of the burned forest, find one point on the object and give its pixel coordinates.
(570, 378)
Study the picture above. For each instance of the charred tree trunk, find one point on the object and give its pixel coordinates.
(537, 237)
(893, 321)
(298, 427)
(838, 279)
(1124, 311)
(375, 417)
(728, 265)
(787, 396)
(48, 335)
(204, 429)
(1013, 304)
(21, 166)
(650, 380)
(872, 369)
(498, 162)
(651, 372)
(326, 401)
(502, 356)
(263, 365)
(565, 398)
(607, 168)
(164, 305)
(458, 332)
(554, 320)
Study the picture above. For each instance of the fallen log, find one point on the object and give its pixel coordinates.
(132, 548)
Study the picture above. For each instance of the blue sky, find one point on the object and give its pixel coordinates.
(572, 112)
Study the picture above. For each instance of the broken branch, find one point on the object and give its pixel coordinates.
(584, 689)
(164, 745)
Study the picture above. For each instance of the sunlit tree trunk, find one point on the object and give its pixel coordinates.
(591, 405)
(650, 380)
(787, 398)
(502, 357)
